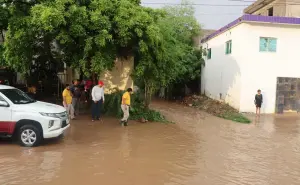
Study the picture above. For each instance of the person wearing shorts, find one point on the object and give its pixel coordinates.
(258, 102)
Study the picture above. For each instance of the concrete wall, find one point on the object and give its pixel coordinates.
(279, 8)
(221, 75)
(293, 8)
(261, 69)
(282, 8)
(119, 77)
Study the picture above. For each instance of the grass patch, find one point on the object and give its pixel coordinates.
(112, 107)
(216, 108)
(237, 117)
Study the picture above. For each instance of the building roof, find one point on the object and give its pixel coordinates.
(204, 33)
(256, 6)
(254, 18)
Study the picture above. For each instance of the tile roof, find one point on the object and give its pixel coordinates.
(254, 18)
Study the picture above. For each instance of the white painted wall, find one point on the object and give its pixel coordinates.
(221, 74)
(261, 69)
(239, 75)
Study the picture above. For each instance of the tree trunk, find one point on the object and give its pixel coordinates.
(2, 35)
(149, 87)
(162, 92)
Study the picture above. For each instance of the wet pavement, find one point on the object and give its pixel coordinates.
(198, 150)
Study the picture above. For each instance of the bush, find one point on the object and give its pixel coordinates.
(112, 107)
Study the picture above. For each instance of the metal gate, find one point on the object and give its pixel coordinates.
(287, 94)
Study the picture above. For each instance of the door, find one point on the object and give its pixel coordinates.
(5, 117)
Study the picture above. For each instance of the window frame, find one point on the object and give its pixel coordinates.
(268, 44)
(228, 50)
(208, 53)
(3, 99)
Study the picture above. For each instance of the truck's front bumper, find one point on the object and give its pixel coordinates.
(56, 133)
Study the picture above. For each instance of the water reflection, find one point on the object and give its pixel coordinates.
(29, 166)
(199, 149)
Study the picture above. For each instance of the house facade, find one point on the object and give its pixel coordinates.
(254, 52)
(279, 8)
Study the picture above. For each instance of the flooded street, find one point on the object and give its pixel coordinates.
(198, 150)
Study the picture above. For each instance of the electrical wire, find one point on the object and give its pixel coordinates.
(222, 5)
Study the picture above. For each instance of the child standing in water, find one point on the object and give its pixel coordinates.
(258, 101)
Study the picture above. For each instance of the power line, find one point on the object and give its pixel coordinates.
(220, 5)
(195, 4)
(217, 14)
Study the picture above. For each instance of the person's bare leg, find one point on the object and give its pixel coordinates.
(259, 112)
(256, 110)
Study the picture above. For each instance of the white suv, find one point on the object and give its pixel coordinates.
(29, 120)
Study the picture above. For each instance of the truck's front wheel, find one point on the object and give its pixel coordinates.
(29, 136)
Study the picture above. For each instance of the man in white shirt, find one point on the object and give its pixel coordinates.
(98, 99)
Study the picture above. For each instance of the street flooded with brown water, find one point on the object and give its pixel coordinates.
(198, 150)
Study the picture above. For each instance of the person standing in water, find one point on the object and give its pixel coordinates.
(67, 101)
(125, 106)
(258, 102)
(98, 100)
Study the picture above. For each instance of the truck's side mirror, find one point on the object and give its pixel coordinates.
(3, 104)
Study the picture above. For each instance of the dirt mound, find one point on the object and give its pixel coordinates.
(214, 107)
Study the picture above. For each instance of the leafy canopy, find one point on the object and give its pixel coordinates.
(166, 53)
(91, 34)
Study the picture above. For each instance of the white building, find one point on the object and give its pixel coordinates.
(254, 52)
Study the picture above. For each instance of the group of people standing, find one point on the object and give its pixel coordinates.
(72, 95)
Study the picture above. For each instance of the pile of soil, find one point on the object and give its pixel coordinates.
(209, 105)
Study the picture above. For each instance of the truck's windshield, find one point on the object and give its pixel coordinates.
(17, 96)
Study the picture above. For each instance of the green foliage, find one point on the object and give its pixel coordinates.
(90, 34)
(112, 107)
(166, 53)
(237, 117)
(85, 34)
(2, 61)
(4, 16)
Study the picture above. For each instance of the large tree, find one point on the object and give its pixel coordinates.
(91, 34)
(168, 54)
(4, 16)
(85, 34)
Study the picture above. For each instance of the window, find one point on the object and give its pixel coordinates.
(270, 11)
(228, 47)
(209, 53)
(3, 103)
(17, 96)
(267, 44)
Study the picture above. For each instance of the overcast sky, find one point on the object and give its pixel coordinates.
(211, 14)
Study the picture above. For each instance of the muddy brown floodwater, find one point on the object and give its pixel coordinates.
(198, 150)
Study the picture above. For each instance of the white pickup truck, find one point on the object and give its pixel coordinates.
(29, 120)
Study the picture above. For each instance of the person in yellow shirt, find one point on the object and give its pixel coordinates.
(125, 106)
(67, 101)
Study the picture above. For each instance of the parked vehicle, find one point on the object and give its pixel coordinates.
(29, 120)
(4, 81)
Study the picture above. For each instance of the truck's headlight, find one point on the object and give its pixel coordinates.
(49, 115)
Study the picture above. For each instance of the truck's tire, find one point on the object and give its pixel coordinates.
(30, 136)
